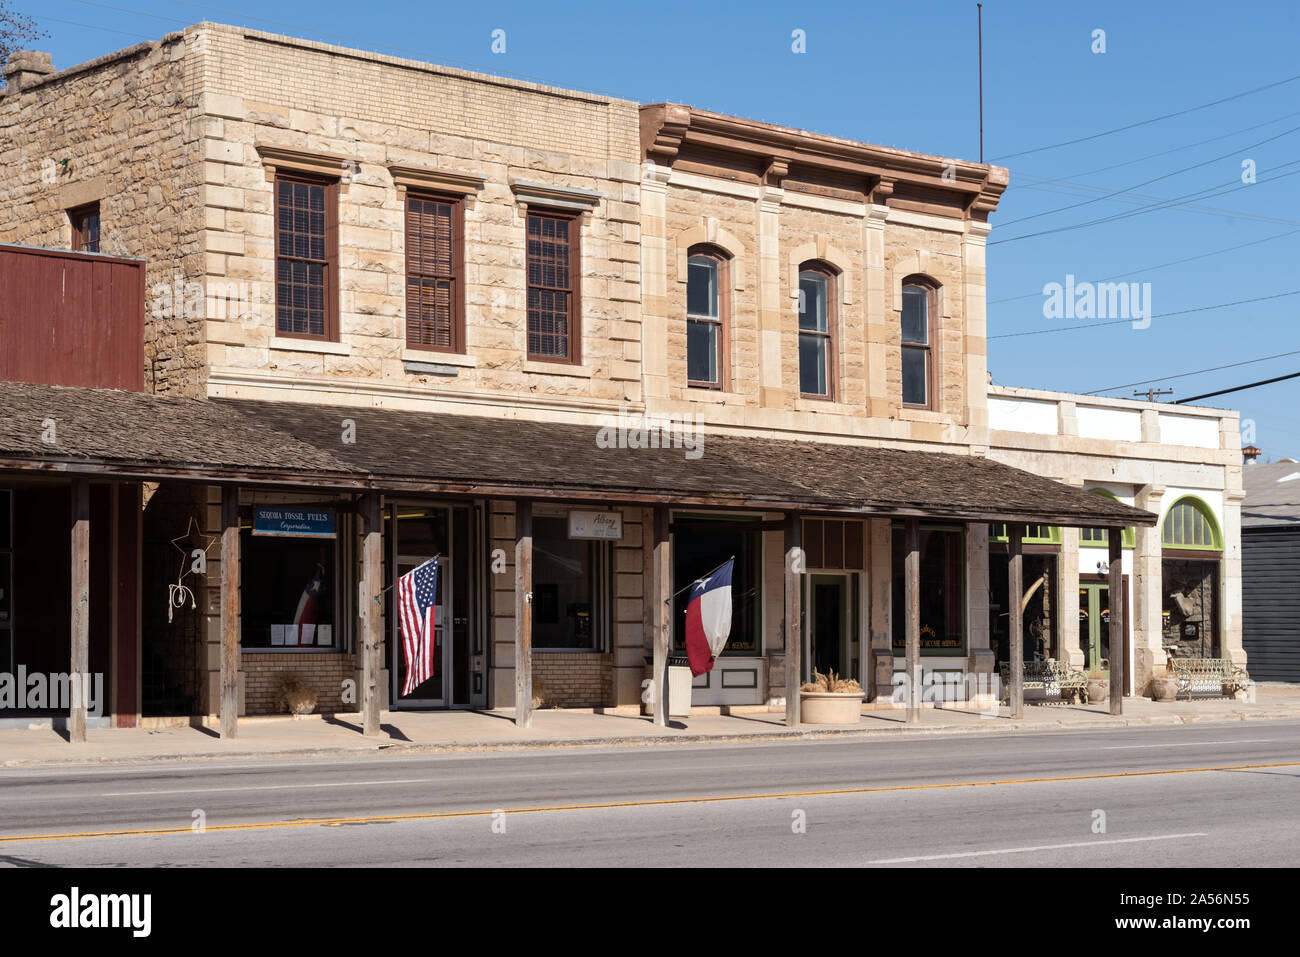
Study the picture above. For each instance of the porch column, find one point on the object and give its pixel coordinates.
(794, 567)
(980, 658)
(1117, 655)
(1147, 628)
(1015, 619)
(79, 665)
(229, 611)
(372, 635)
(661, 595)
(912, 609)
(524, 613)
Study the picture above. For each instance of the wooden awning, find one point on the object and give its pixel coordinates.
(132, 435)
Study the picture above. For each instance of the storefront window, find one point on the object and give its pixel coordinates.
(943, 591)
(1189, 613)
(564, 586)
(288, 586)
(702, 543)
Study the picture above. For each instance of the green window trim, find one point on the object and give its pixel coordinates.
(1032, 534)
(1100, 537)
(1190, 524)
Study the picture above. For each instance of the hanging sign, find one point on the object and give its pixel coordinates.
(598, 525)
(293, 521)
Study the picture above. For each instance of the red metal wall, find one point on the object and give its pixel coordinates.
(71, 318)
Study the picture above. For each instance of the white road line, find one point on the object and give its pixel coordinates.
(1187, 744)
(1026, 850)
(269, 787)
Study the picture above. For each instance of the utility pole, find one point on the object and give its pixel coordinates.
(1150, 394)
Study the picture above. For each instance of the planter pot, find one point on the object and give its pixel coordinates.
(1098, 690)
(825, 707)
(1164, 688)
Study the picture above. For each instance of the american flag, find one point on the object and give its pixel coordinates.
(417, 594)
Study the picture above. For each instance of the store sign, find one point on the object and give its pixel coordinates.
(606, 526)
(293, 522)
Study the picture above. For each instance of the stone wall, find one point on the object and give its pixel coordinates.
(119, 131)
(378, 112)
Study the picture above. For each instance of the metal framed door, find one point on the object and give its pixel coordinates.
(432, 693)
(828, 617)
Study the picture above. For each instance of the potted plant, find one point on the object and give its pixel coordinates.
(1164, 685)
(830, 699)
(296, 696)
(1098, 686)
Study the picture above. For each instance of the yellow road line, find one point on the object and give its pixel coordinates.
(660, 802)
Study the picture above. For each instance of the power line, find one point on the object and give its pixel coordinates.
(1148, 269)
(1148, 122)
(1184, 375)
(1175, 149)
(1163, 315)
(1239, 388)
(1218, 190)
(1068, 187)
(1156, 179)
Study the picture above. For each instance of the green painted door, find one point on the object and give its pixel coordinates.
(1094, 625)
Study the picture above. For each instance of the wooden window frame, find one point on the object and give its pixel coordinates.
(931, 290)
(330, 262)
(724, 311)
(574, 289)
(457, 278)
(831, 275)
(76, 217)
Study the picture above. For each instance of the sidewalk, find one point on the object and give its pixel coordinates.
(451, 731)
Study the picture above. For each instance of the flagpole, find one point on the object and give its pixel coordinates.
(692, 584)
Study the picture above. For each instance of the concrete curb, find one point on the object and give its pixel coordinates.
(653, 740)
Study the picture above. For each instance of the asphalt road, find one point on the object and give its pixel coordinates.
(956, 800)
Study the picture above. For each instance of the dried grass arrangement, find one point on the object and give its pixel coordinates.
(831, 683)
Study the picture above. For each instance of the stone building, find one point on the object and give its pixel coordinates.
(351, 255)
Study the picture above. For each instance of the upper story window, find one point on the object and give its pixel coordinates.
(706, 307)
(917, 344)
(306, 257)
(1190, 524)
(85, 228)
(816, 330)
(554, 255)
(1101, 536)
(435, 244)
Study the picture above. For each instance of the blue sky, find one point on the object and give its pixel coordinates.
(904, 74)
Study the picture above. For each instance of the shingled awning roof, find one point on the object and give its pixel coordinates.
(130, 435)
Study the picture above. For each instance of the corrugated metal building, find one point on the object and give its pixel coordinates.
(1270, 543)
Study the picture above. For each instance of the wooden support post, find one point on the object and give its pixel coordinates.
(79, 680)
(523, 613)
(794, 569)
(229, 611)
(662, 595)
(371, 611)
(1016, 620)
(912, 611)
(1118, 662)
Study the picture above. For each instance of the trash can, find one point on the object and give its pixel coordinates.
(679, 687)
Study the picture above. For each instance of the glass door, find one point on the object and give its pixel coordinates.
(829, 621)
(417, 534)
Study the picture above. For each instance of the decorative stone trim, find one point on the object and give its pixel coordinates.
(439, 358)
(558, 368)
(320, 164)
(555, 197)
(290, 344)
(711, 234)
(440, 181)
(825, 252)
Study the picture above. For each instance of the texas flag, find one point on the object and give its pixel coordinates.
(708, 619)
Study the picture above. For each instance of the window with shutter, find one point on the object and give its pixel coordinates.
(434, 253)
(85, 228)
(553, 267)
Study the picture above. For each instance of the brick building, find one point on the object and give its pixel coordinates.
(422, 296)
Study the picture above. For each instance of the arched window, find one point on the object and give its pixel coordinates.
(1190, 524)
(706, 318)
(816, 330)
(917, 339)
(1100, 537)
